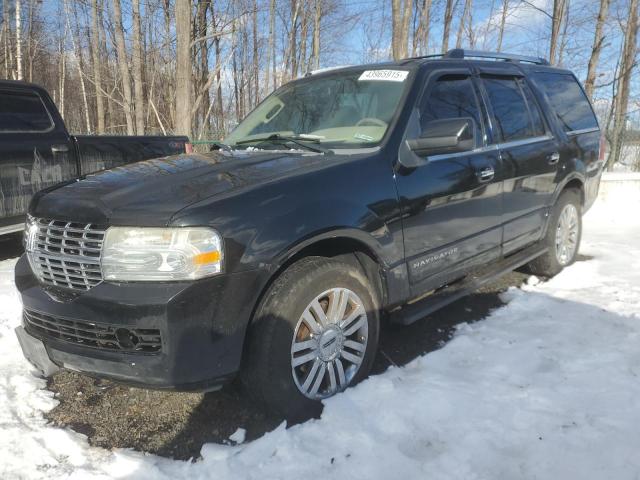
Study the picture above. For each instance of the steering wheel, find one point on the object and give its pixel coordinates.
(374, 122)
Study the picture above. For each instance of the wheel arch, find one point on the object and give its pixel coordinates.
(575, 182)
(354, 246)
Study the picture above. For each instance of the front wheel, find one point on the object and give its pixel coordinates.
(315, 334)
(563, 236)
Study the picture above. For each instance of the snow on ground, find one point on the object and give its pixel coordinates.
(546, 387)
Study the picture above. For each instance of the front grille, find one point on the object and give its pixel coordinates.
(96, 335)
(66, 254)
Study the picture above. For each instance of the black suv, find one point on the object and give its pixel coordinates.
(345, 197)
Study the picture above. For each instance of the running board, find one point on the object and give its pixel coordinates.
(413, 312)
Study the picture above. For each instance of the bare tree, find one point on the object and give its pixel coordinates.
(96, 27)
(559, 12)
(123, 65)
(446, 31)
(271, 54)
(19, 74)
(401, 17)
(421, 36)
(598, 40)
(183, 66)
(315, 49)
(466, 16)
(137, 69)
(628, 63)
(503, 22)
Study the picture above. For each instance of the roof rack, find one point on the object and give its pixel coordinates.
(461, 53)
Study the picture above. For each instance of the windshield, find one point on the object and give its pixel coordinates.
(344, 110)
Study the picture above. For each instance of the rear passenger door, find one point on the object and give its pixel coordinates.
(35, 152)
(452, 203)
(530, 157)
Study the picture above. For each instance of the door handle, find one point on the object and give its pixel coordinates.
(59, 148)
(486, 174)
(554, 158)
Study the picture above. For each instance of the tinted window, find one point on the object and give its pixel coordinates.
(534, 110)
(452, 96)
(567, 100)
(512, 114)
(23, 112)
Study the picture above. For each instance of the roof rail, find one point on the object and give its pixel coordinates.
(461, 53)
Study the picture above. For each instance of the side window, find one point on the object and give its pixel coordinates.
(452, 96)
(515, 118)
(568, 101)
(23, 112)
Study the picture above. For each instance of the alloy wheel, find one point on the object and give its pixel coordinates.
(329, 343)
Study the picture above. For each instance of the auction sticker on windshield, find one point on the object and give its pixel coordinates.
(384, 75)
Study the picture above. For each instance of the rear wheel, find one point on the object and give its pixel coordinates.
(315, 334)
(563, 236)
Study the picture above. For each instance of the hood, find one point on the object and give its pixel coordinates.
(150, 192)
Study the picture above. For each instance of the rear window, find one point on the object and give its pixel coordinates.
(23, 112)
(567, 100)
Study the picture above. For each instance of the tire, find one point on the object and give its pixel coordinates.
(275, 373)
(552, 262)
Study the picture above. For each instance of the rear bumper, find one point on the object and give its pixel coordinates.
(202, 326)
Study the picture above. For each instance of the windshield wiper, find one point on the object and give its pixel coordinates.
(301, 141)
(220, 146)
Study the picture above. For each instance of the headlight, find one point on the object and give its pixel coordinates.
(144, 254)
(29, 234)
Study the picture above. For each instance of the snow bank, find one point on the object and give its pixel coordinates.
(545, 387)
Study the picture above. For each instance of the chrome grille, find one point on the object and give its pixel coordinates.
(90, 334)
(65, 254)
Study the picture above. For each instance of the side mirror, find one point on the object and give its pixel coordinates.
(450, 135)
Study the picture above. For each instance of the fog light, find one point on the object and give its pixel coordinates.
(126, 339)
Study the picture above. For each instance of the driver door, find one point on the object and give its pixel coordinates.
(452, 202)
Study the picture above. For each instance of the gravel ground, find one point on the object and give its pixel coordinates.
(176, 425)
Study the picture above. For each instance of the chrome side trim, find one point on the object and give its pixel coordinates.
(11, 228)
(489, 148)
(583, 130)
(524, 141)
(444, 156)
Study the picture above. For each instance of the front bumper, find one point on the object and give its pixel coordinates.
(202, 325)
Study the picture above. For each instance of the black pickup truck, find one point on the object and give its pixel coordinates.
(36, 151)
(348, 196)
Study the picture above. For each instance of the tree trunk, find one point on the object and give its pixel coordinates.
(556, 22)
(448, 16)
(183, 67)
(123, 65)
(598, 40)
(293, 37)
(503, 22)
(627, 65)
(75, 41)
(97, 69)
(466, 13)
(271, 51)
(19, 73)
(401, 18)
(421, 43)
(256, 68)
(315, 48)
(137, 69)
(30, 42)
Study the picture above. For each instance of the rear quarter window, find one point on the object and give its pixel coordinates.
(567, 100)
(23, 112)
